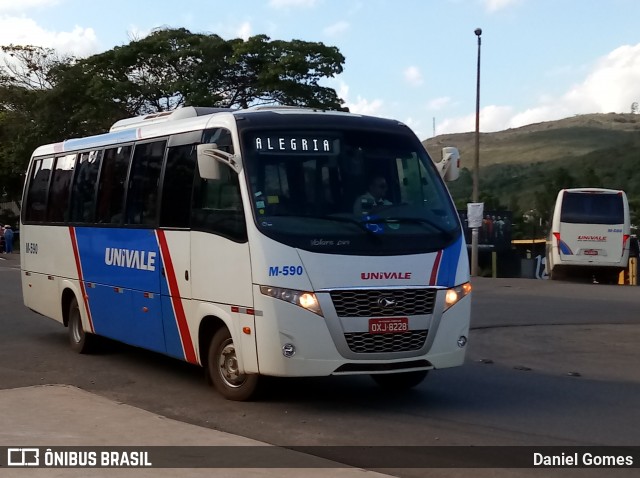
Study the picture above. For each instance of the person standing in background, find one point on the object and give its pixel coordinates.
(8, 239)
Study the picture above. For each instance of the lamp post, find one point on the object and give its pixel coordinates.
(476, 164)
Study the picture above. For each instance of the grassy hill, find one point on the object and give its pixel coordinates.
(549, 141)
(523, 168)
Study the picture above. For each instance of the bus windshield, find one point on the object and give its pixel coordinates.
(348, 191)
(592, 208)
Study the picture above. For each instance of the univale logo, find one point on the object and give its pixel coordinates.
(592, 238)
(385, 275)
(132, 259)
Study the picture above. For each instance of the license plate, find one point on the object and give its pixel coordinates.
(393, 325)
(590, 252)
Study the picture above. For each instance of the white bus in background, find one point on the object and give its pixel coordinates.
(589, 234)
(229, 239)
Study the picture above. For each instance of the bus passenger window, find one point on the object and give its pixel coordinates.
(142, 198)
(38, 186)
(111, 188)
(60, 187)
(83, 191)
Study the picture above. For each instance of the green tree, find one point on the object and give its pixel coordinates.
(461, 189)
(491, 202)
(590, 179)
(25, 83)
(555, 180)
(174, 67)
(46, 97)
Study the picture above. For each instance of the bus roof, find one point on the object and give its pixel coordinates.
(592, 190)
(191, 118)
(162, 116)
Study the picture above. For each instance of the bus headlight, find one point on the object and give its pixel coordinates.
(454, 294)
(306, 300)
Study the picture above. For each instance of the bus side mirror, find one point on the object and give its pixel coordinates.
(449, 165)
(210, 158)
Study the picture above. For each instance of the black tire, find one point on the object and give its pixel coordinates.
(80, 341)
(400, 381)
(613, 277)
(556, 274)
(222, 366)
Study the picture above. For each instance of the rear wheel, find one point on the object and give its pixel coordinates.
(400, 381)
(224, 372)
(556, 274)
(613, 277)
(80, 341)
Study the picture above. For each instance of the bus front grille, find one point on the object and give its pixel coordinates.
(366, 343)
(383, 302)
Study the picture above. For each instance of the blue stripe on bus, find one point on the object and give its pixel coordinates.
(128, 258)
(124, 270)
(564, 248)
(449, 264)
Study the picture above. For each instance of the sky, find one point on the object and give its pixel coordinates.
(412, 60)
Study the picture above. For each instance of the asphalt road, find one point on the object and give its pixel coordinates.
(548, 364)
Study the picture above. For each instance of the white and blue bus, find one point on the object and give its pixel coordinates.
(228, 239)
(589, 235)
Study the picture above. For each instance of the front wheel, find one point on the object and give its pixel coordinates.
(80, 341)
(400, 381)
(223, 369)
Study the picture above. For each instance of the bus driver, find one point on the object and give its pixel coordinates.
(373, 198)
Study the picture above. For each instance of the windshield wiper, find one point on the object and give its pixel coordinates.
(360, 224)
(412, 220)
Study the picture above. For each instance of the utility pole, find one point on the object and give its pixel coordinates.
(476, 164)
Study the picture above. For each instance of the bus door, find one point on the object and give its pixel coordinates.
(175, 291)
(220, 262)
(174, 240)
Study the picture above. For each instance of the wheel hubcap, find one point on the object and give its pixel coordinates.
(228, 365)
(76, 329)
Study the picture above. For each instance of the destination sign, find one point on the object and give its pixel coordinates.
(289, 144)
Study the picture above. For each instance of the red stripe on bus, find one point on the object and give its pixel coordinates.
(85, 297)
(436, 266)
(174, 291)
